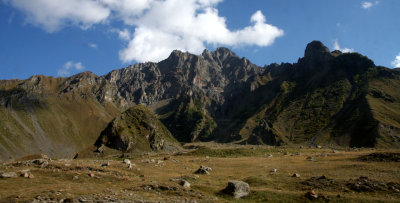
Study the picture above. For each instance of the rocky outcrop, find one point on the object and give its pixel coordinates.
(137, 129)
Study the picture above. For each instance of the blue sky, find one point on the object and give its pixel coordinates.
(65, 37)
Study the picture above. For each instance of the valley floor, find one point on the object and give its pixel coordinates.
(344, 175)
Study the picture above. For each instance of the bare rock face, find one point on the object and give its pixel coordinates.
(237, 189)
(137, 129)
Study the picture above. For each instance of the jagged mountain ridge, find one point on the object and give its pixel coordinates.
(212, 96)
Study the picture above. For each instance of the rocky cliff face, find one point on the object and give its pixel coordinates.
(326, 97)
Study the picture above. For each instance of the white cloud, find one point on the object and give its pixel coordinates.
(52, 15)
(368, 4)
(336, 46)
(93, 45)
(396, 62)
(189, 25)
(153, 28)
(127, 10)
(68, 66)
(122, 34)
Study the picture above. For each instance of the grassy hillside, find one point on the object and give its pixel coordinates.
(48, 122)
(188, 120)
(346, 101)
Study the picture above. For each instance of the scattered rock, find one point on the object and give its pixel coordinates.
(31, 175)
(8, 175)
(130, 166)
(40, 162)
(311, 195)
(203, 170)
(127, 161)
(91, 175)
(335, 151)
(75, 178)
(185, 184)
(318, 147)
(296, 175)
(364, 184)
(274, 170)
(24, 175)
(106, 164)
(237, 189)
(159, 162)
(269, 155)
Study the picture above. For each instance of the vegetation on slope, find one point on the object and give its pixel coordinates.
(188, 120)
(137, 129)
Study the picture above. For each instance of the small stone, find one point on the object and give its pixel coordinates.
(75, 178)
(106, 164)
(31, 176)
(185, 184)
(269, 155)
(203, 170)
(8, 175)
(274, 170)
(335, 151)
(67, 165)
(127, 161)
(296, 175)
(24, 175)
(159, 162)
(91, 175)
(237, 189)
(318, 146)
(310, 158)
(311, 195)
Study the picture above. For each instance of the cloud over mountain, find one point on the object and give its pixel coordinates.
(152, 28)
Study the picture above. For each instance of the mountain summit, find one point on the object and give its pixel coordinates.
(326, 98)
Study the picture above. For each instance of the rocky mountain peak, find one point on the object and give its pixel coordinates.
(224, 54)
(315, 48)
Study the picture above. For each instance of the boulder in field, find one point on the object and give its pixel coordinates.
(237, 189)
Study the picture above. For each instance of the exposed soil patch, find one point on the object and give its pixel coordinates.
(381, 157)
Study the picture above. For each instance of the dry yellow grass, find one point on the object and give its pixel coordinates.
(151, 181)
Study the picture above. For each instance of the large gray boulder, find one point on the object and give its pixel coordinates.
(237, 189)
